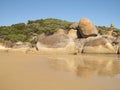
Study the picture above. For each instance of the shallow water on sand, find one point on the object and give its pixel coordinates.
(20, 71)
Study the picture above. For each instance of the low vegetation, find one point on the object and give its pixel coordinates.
(104, 30)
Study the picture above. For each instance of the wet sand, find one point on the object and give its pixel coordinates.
(20, 71)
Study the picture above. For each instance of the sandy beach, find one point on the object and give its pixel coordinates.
(21, 71)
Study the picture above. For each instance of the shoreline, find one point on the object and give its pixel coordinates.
(33, 50)
(47, 51)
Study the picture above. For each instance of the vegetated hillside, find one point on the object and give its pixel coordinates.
(25, 32)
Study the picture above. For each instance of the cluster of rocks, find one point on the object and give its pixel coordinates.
(83, 37)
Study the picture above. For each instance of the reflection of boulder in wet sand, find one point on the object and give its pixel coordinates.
(107, 66)
(87, 65)
(62, 63)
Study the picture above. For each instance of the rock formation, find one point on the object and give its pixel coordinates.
(74, 26)
(88, 40)
(72, 34)
(110, 32)
(82, 37)
(118, 44)
(22, 45)
(98, 44)
(58, 42)
(86, 29)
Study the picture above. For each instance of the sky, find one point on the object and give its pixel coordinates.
(100, 12)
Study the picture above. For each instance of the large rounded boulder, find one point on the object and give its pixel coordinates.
(86, 29)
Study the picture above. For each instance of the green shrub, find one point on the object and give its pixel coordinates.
(16, 37)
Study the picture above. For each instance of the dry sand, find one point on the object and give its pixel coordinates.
(31, 71)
